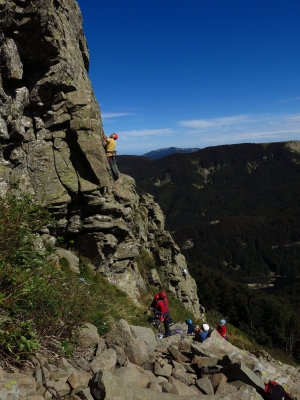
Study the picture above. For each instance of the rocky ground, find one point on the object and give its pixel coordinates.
(130, 363)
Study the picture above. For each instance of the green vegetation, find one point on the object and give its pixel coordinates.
(178, 312)
(271, 321)
(42, 302)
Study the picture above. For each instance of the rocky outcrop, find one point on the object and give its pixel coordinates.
(51, 147)
(129, 363)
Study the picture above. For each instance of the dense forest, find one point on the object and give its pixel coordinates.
(230, 208)
(234, 211)
(272, 320)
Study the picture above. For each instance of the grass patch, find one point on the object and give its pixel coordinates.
(110, 303)
(178, 312)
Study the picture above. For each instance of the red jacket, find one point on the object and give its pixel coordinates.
(162, 306)
(221, 329)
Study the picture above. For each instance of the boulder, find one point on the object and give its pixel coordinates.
(76, 379)
(204, 361)
(185, 344)
(246, 391)
(239, 372)
(133, 376)
(217, 347)
(88, 335)
(101, 346)
(106, 360)
(163, 369)
(120, 335)
(105, 385)
(224, 389)
(121, 356)
(166, 342)
(204, 384)
(166, 386)
(182, 376)
(14, 385)
(217, 379)
(176, 354)
(145, 334)
(80, 364)
(155, 386)
(137, 351)
(180, 388)
(60, 387)
(177, 365)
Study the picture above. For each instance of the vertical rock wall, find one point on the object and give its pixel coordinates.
(50, 146)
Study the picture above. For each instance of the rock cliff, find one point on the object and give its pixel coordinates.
(51, 147)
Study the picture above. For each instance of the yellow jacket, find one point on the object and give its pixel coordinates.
(111, 145)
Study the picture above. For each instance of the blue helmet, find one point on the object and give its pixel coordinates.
(189, 321)
(223, 322)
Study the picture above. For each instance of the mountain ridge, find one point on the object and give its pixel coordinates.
(169, 150)
(242, 186)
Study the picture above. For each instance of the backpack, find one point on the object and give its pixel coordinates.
(209, 332)
(274, 391)
(162, 307)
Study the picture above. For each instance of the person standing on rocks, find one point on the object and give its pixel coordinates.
(153, 307)
(159, 309)
(162, 312)
(110, 146)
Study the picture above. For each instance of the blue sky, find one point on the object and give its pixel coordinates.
(195, 73)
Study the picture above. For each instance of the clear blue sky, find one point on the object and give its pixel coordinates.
(195, 73)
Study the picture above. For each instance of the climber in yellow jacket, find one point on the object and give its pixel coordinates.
(110, 148)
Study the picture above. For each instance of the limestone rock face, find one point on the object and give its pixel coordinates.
(51, 146)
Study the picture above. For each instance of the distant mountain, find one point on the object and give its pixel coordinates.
(233, 208)
(170, 150)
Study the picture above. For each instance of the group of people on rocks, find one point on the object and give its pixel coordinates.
(202, 333)
(161, 313)
(160, 308)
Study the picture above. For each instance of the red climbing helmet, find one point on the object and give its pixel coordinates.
(114, 135)
(156, 296)
(162, 295)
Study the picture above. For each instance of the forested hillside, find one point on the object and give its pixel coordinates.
(231, 208)
(169, 150)
(272, 320)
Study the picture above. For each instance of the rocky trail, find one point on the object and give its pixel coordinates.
(130, 364)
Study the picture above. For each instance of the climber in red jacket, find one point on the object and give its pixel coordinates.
(163, 311)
